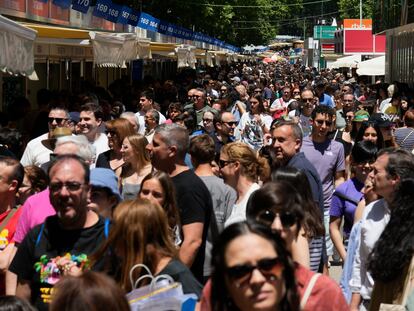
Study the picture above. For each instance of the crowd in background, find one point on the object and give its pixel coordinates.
(245, 183)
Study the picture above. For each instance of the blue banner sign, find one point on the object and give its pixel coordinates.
(81, 5)
(64, 4)
(102, 7)
(113, 13)
(148, 22)
(133, 18)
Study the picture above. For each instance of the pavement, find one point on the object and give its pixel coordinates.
(335, 272)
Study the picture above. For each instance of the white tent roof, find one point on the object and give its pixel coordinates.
(16, 48)
(372, 67)
(114, 49)
(350, 61)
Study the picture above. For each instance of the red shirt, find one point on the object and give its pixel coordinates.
(6, 237)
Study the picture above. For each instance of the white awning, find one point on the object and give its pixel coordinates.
(185, 56)
(114, 49)
(16, 48)
(350, 61)
(372, 67)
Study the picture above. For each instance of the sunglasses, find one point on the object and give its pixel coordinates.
(57, 120)
(71, 186)
(231, 123)
(321, 122)
(224, 163)
(267, 217)
(269, 267)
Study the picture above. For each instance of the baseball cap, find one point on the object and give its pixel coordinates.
(106, 178)
(235, 79)
(361, 116)
(381, 119)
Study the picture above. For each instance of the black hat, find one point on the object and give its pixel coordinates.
(381, 119)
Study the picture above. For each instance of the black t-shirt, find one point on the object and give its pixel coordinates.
(35, 257)
(180, 273)
(195, 205)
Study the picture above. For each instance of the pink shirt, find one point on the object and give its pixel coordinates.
(34, 211)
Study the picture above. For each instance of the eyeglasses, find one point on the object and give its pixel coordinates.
(207, 120)
(71, 186)
(194, 96)
(347, 100)
(224, 163)
(267, 217)
(231, 123)
(296, 93)
(321, 122)
(269, 267)
(57, 120)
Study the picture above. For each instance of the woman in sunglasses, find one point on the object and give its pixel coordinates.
(252, 271)
(241, 169)
(312, 230)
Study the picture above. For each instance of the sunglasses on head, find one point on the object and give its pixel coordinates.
(57, 120)
(267, 217)
(269, 267)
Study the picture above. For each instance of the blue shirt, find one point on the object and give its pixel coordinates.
(326, 100)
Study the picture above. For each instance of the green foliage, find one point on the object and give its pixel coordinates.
(350, 8)
(241, 22)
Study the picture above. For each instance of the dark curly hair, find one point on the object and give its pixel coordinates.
(220, 299)
(395, 247)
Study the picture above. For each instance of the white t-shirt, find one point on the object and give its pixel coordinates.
(36, 153)
(141, 121)
(238, 212)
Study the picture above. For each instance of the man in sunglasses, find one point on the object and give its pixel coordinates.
(199, 103)
(224, 126)
(41, 259)
(36, 153)
(328, 158)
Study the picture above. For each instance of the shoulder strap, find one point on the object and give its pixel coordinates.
(405, 138)
(345, 197)
(106, 228)
(308, 290)
(39, 236)
(7, 219)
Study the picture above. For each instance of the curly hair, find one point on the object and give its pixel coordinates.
(253, 166)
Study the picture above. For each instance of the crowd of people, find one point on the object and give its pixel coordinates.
(244, 183)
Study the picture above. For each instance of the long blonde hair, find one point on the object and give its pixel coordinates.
(137, 224)
(138, 143)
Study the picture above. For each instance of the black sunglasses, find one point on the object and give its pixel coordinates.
(267, 266)
(320, 122)
(231, 123)
(57, 120)
(223, 163)
(267, 217)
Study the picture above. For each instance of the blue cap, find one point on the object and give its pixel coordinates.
(104, 177)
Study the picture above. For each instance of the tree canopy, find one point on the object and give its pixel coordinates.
(241, 22)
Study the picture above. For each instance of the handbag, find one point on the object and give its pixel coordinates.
(163, 293)
(308, 290)
(407, 289)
